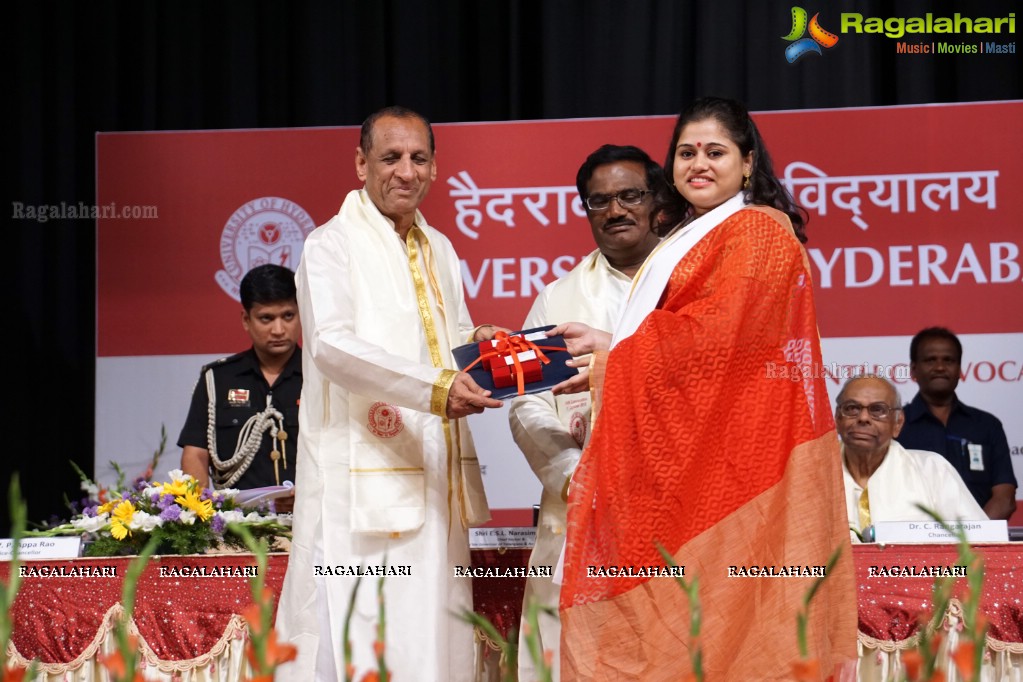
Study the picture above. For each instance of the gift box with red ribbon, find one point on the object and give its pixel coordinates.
(498, 347)
(506, 370)
(514, 359)
(516, 363)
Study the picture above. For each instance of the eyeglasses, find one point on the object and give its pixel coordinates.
(879, 411)
(625, 198)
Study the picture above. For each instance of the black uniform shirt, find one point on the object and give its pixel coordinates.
(242, 372)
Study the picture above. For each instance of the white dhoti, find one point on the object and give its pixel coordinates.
(385, 482)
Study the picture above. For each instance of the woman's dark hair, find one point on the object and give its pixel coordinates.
(764, 188)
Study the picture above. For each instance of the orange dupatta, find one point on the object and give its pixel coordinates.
(714, 439)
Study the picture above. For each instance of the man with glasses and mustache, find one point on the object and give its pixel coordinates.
(883, 480)
(620, 187)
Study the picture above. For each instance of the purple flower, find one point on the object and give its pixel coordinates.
(90, 511)
(206, 494)
(141, 484)
(218, 524)
(171, 513)
(165, 501)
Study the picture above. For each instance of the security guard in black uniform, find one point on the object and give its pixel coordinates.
(246, 436)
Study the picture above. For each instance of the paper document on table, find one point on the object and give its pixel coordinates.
(254, 497)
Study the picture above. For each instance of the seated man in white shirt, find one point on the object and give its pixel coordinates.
(883, 480)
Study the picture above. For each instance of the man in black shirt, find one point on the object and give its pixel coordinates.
(971, 439)
(246, 435)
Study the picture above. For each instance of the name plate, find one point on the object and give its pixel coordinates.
(932, 532)
(42, 548)
(502, 538)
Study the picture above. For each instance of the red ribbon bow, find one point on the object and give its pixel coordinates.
(510, 345)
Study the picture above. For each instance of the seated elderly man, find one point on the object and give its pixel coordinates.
(883, 480)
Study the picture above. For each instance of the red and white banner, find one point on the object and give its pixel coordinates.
(914, 221)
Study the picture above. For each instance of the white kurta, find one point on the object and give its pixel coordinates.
(905, 479)
(551, 431)
(379, 481)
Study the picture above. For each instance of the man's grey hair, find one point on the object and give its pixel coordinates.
(859, 377)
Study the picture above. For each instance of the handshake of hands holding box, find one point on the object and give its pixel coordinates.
(516, 363)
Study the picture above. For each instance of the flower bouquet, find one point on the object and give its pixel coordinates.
(184, 517)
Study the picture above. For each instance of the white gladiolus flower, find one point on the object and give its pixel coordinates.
(231, 516)
(91, 524)
(179, 475)
(140, 520)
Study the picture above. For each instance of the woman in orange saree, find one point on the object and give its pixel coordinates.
(714, 439)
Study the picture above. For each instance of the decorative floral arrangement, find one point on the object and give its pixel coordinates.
(184, 517)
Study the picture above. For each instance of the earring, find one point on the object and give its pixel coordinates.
(745, 181)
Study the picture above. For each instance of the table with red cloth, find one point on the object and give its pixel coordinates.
(890, 608)
(499, 599)
(193, 624)
(184, 624)
(188, 626)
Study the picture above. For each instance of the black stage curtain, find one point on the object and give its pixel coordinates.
(75, 68)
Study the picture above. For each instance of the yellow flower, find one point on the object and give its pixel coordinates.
(178, 487)
(119, 530)
(120, 519)
(124, 511)
(106, 506)
(190, 500)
